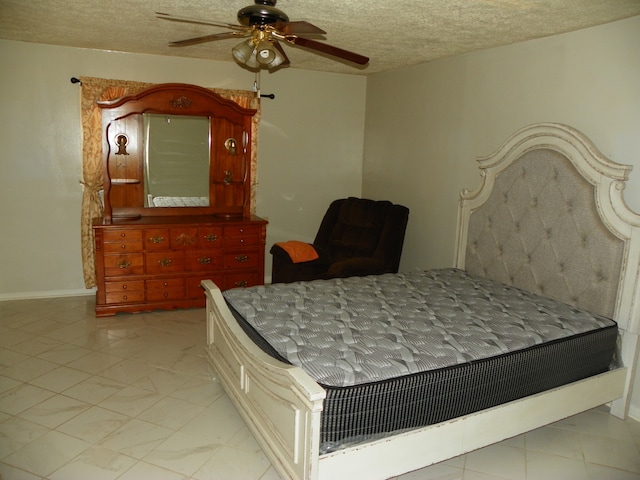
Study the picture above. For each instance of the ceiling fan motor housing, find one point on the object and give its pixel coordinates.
(262, 13)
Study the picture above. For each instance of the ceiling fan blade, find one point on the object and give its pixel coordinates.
(175, 18)
(206, 38)
(298, 28)
(328, 49)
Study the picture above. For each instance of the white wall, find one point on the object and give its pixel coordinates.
(310, 151)
(426, 124)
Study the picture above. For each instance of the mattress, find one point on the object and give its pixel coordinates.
(399, 351)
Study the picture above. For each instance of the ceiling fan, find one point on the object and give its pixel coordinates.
(265, 26)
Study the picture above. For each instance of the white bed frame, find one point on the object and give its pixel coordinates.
(282, 405)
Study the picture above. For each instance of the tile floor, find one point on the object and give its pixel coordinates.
(130, 397)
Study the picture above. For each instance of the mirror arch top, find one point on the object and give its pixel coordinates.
(123, 149)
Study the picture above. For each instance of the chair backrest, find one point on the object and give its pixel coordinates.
(358, 227)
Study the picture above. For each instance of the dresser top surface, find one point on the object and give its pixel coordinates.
(178, 220)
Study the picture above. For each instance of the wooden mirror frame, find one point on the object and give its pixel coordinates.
(229, 195)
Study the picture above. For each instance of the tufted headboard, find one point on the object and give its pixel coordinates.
(540, 230)
(549, 217)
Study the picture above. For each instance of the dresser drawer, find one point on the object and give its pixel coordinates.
(164, 262)
(240, 259)
(202, 260)
(123, 264)
(167, 289)
(156, 239)
(122, 247)
(241, 235)
(124, 287)
(244, 241)
(183, 238)
(240, 230)
(122, 235)
(245, 279)
(122, 241)
(133, 296)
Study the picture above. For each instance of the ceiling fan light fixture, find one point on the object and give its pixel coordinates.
(258, 54)
(267, 54)
(245, 53)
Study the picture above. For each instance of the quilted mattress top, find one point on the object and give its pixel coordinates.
(357, 330)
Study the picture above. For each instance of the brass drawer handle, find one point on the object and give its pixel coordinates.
(123, 264)
(156, 239)
(242, 283)
(241, 258)
(204, 260)
(165, 262)
(211, 238)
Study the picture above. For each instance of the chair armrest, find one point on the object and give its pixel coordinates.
(357, 266)
(281, 255)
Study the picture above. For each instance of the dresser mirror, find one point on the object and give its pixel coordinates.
(176, 160)
(175, 149)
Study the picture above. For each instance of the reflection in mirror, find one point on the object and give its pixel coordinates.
(176, 160)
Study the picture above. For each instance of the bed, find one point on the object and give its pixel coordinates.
(547, 222)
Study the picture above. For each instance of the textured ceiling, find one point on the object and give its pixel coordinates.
(393, 33)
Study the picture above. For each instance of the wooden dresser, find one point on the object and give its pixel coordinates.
(177, 200)
(159, 262)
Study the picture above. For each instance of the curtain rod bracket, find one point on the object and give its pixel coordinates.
(76, 80)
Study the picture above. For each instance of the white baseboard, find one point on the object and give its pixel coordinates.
(634, 412)
(47, 294)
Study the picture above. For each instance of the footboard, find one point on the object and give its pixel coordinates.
(280, 403)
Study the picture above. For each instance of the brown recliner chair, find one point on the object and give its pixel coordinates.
(356, 237)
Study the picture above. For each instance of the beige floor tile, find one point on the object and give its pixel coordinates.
(555, 441)
(95, 463)
(228, 462)
(136, 438)
(16, 432)
(95, 389)
(544, 466)
(55, 411)
(28, 369)
(611, 453)
(94, 424)
(182, 453)
(143, 470)
(47, 453)
(499, 460)
(131, 401)
(171, 413)
(22, 397)
(59, 379)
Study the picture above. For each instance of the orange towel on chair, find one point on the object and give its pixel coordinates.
(299, 251)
